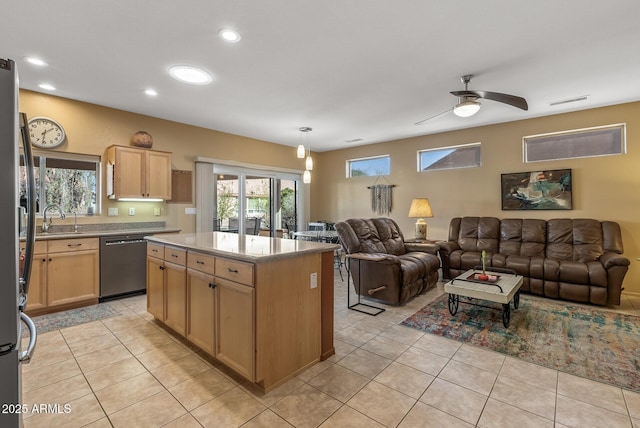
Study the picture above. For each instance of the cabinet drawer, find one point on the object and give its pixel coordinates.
(201, 262)
(155, 250)
(234, 270)
(65, 245)
(175, 255)
(40, 247)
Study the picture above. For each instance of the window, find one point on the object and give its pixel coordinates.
(578, 143)
(462, 156)
(68, 180)
(377, 165)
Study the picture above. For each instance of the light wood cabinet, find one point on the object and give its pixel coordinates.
(139, 173)
(72, 277)
(167, 285)
(155, 287)
(235, 327)
(201, 309)
(175, 297)
(65, 274)
(37, 296)
(263, 324)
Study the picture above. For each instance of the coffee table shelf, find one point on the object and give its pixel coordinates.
(502, 291)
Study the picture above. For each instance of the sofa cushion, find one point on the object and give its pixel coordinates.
(479, 233)
(523, 237)
(574, 239)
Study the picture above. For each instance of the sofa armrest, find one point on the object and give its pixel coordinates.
(447, 247)
(610, 260)
(375, 257)
(425, 248)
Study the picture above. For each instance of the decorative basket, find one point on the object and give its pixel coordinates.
(142, 139)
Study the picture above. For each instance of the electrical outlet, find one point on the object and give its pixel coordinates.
(314, 280)
(156, 211)
(190, 211)
(112, 212)
(132, 211)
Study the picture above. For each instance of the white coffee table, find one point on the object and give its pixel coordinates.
(501, 288)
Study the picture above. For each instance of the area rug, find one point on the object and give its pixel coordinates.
(591, 343)
(73, 317)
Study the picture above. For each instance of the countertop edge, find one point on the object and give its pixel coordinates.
(316, 247)
(101, 233)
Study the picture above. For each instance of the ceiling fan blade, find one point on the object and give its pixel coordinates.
(433, 117)
(512, 100)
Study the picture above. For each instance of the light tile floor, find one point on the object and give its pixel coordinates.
(128, 372)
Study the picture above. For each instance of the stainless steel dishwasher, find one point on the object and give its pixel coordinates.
(123, 266)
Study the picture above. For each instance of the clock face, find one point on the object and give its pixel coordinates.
(45, 132)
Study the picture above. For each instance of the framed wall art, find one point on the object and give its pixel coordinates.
(537, 190)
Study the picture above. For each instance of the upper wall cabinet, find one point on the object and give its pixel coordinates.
(137, 173)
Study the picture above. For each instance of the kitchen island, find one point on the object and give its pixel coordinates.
(261, 306)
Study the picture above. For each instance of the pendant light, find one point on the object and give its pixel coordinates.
(306, 177)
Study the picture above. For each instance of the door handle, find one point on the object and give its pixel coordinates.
(25, 357)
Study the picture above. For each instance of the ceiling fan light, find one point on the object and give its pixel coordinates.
(466, 108)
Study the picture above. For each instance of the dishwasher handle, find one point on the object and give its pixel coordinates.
(124, 241)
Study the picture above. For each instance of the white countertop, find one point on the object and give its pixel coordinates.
(99, 233)
(250, 248)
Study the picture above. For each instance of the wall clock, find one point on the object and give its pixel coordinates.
(46, 133)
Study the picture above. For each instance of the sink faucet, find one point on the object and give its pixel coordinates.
(45, 225)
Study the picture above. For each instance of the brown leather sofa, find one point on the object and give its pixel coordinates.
(571, 259)
(391, 270)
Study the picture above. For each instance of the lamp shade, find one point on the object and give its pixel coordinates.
(420, 208)
(300, 152)
(306, 177)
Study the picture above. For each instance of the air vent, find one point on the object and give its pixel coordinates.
(569, 100)
(355, 140)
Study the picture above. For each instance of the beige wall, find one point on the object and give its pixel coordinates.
(91, 129)
(605, 188)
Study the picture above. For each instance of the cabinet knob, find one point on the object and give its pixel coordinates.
(212, 285)
(161, 267)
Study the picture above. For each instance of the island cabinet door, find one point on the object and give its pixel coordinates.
(235, 327)
(175, 308)
(201, 303)
(155, 287)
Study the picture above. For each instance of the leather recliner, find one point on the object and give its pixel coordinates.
(387, 268)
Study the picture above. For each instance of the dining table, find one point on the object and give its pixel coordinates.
(317, 235)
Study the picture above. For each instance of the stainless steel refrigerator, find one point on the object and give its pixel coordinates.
(14, 274)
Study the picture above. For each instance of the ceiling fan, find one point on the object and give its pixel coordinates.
(468, 104)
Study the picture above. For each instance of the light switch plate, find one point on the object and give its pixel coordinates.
(132, 211)
(190, 211)
(112, 212)
(314, 280)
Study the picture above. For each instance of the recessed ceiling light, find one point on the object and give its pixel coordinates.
(35, 61)
(47, 87)
(191, 75)
(151, 92)
(229, 35)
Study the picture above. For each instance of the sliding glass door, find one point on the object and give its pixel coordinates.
(256, 202)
